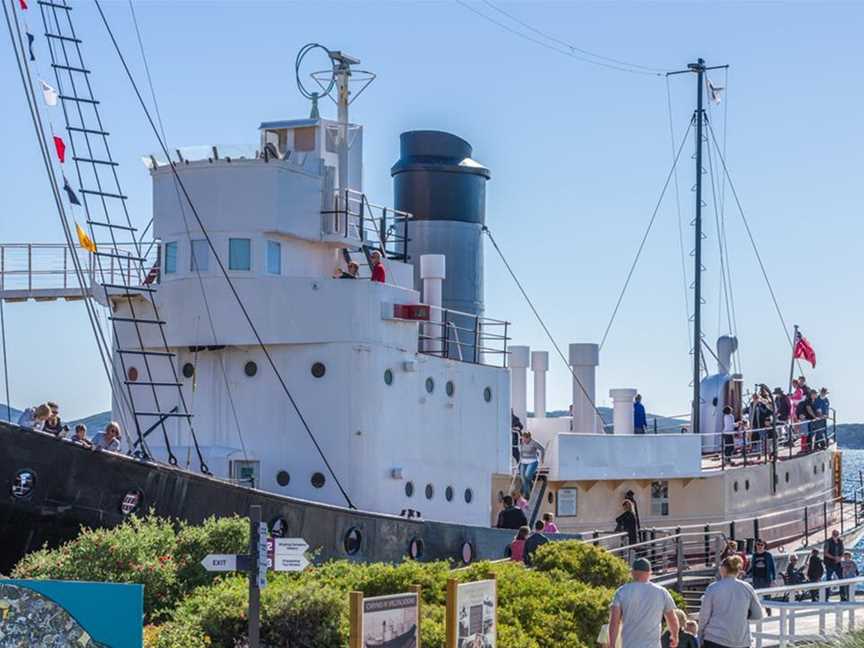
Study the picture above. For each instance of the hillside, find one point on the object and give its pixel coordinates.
(851, 435)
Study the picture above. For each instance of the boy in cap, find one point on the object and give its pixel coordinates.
(638, 608)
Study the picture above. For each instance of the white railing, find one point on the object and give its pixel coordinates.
(797, 621)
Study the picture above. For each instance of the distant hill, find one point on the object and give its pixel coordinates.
(663, 422)
(94, 422)
(851, 435)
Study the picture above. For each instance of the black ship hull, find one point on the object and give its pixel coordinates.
(72, 486)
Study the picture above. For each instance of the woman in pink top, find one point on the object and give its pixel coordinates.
(517, 547)
(549, 525)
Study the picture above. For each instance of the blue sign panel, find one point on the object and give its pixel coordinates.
(71, 613)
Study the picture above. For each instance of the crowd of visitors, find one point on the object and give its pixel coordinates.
(46, 418)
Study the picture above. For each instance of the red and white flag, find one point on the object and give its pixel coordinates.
(803, 350)
(60, 145)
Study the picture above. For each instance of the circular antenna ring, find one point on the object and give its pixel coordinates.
(328, 87)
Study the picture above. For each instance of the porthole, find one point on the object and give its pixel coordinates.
(353, 540)
(318, 369)
(188, 370)
(132, 374)
(467, 553)
(24, 483)
(823, 467)
(131, 502)
(388, 377)
(550, 497)
(815, 469)
(430, 385)
(787, 476)
(318, 480)
(448, 493)
(487, 394)
(735, 487)
(430, 491)
(415, 548)
(469, 495)
(283, 478)
(450, 388)
(279, 527)
(251, 368)
(746, 484)
(409, 489)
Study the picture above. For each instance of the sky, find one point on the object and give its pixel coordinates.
(578, 152)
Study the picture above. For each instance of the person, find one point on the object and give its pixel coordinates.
(729, 428)
(517, 547)
(758, 416)
(378, 272)
(531, 454)
(685, 638)
(832, 553)
(80, 436)
(762, 568)
(815, 571)
(520, 501)
(728, 606)
(353, 271)
(53, 424)
(35, 417)
(793, 572)
(848, 569)
(822, 409)
(627, 522)
(731, 549)
(516, 428)
(109, 439)
(823, 405)
(691, 627)
(549, 525)
(533, 541)
(805, 412)
(640, 606)
(510, 517)
(782, 410)
(640, 420)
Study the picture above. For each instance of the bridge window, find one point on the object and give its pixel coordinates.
(171, 257)
(660, 498)
(199, 260)
(239, 254)
(245, 472)
(274, 257)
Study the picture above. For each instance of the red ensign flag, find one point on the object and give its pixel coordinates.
(60, 145)
(804, 350)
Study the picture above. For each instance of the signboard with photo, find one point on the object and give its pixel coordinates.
(567, 502)
(391, 621)
(476, 613)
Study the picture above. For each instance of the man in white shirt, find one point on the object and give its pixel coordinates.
(638, 609)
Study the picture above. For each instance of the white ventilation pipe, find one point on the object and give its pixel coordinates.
(432, 274)
(519, 356)
(622, 409)
(584, 358)
(539, 365)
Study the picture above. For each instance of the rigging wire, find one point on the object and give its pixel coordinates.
(543, 323)
(566, 44)
(222, 268)
(555, 48)
(645, 235)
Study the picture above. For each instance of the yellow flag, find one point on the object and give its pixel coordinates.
(85, 241)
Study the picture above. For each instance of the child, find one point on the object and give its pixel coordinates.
(692, 628)
(549, 525)
(848, 569)
(520, 501)
(80, 437)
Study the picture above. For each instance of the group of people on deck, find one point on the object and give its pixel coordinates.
(45, 417)
(352, 271)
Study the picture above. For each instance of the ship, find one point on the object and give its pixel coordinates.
(254, 360)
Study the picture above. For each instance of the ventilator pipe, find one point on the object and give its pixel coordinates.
(519, 356)
(584, 358)
(432, 275)
(622, 409)
(539, 365)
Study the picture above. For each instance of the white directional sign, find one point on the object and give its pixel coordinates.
(292, 563)
(290, 547)
(220, 562)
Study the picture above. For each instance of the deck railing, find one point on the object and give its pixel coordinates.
(354, 217)
(465, 337)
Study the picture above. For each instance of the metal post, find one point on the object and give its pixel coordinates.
(655, 426)
(806, 527)
(825, 518)
(732, 530)
(29, 267)
(707, 543)
(755, 529)
(842, 525)
(679, 562)
(855, 507)
(65, 270)
(254, 592)
(476, 339)
(697, 253)
(446, 335)
(792, 364)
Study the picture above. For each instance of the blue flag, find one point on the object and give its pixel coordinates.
(30, 39)
(72, 197)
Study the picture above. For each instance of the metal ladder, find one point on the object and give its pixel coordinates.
(98, 187)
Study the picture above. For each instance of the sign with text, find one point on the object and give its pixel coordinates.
(391, 621)
(567, 502)
(220, 562)
(472, 610)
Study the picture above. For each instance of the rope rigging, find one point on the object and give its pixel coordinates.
(187, 197)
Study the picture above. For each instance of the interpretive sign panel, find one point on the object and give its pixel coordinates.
(71, 613)
(476, 607)
(567, 502)
(391, 621)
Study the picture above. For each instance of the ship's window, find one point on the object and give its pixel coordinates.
(469, 495)
(24, 482)
(823, 467)
(448, 493)
(430, 385)
(274, 257)
(487, 394)
(467, 553)
(239, 254)
(279, 527)
(199, 260)
(245, 472)
(318, 480)
(450, 388)
(304, 138)
(353, 540)
(550, 497)
(815, 470)
(787, 476)
(250, 369)
(318, 369)
(746, 484)
(415, 548)
(388, 377)
(171, 257)
(131, 502)
(283, 478)
(430, 491)
(132, 374)
(735, 487)
(660, 498)
(188, 370)
(409, 489)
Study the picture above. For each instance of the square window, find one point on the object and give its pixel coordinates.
(246, 472)
(171, 257)
(200, 257)
(274, 257)
(304, 138)
(239, 254)
(660, 498)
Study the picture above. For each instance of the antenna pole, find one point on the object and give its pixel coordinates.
(343, 63)
(699, 68)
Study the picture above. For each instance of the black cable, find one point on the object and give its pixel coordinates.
(218, 259)
(645, 236)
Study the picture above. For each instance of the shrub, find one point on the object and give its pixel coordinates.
(582, 562)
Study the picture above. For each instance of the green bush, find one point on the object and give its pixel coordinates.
(582, 562)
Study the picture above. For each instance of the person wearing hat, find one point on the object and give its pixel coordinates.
(638, 609)
(353, 271)
(378, 273)
(782, 409)
(728, 606)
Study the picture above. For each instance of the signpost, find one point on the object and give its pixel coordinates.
(471, 614)
(279, 554)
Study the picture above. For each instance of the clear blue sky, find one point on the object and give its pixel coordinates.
(578, 155)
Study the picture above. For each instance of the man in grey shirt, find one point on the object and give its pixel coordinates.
(639, 606)
(728, 606)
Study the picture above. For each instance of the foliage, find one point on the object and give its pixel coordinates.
(582, 562)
